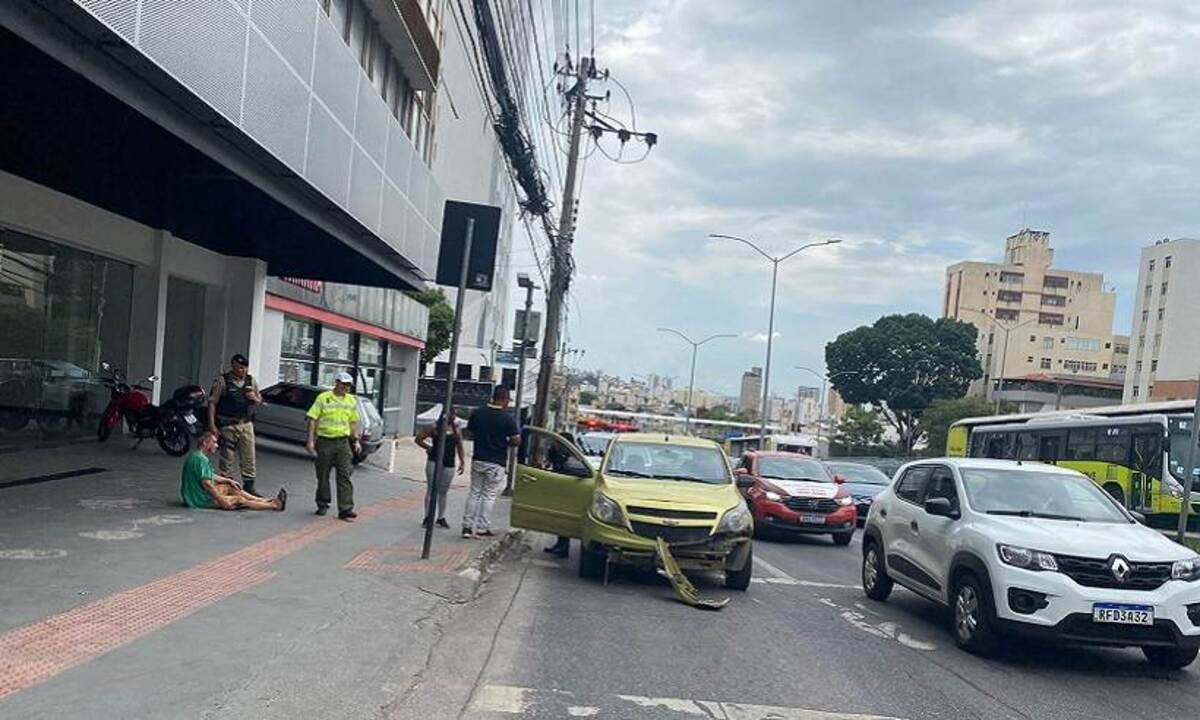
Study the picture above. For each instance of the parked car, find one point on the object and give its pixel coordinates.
(649, 486)
(793, 493)
(862, 481)
(282, 416)
(1032, 550)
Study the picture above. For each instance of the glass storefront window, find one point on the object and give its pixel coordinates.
(327, 373)
(295, 371)
(335, 344)
(370, 351)
(62, 312)
(299, 337)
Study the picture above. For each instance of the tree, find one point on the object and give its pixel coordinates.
(586, 397)
(937, 419)
(901, 364)
(441, 322)
(859, 432)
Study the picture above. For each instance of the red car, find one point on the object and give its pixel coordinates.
(794, 493)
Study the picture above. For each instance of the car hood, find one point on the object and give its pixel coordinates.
(864, 489)
(804, 488)
(670, 492)
(1098, 540)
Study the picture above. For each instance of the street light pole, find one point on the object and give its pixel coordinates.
(524, 282)
(1004, 357)
(687, 411)
(1192, 468)
(821, 405)
(775, 261)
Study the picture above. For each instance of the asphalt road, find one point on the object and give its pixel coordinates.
(803, 642)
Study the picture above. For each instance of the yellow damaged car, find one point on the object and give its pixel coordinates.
(647, 486)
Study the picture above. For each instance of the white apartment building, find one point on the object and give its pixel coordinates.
(1164, 353)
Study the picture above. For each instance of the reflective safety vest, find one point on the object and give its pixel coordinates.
(334, 414)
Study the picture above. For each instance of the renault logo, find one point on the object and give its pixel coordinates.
(1119, 567)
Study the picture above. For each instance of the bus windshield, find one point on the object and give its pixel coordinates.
(1177, 457)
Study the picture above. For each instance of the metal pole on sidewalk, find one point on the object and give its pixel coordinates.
(440, 444)
(523, 281)
(1192, 468)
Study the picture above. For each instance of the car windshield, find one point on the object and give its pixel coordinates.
(1027, 493)
(668, 462)
(862, 474)
(594, 444)
(792, 468)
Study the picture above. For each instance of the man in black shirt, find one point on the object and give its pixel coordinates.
(493, 431)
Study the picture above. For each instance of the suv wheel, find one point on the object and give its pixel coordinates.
(876, 583)
(1172, 658)
(972, 617)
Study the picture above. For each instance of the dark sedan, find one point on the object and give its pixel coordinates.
(863, 482)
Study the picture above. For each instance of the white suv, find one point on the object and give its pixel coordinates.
(1032, 549)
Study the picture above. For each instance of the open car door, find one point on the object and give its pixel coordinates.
(553, 487)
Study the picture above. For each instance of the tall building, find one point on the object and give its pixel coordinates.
(1034, 319)
(750, 398)
(808, 406)
(1164, 353)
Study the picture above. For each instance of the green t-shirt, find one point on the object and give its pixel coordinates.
(196, 470)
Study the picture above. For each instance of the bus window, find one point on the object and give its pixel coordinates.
(1049, 448)
(1112, 445)
(1027, 446)
(1147, 452)
(1081, 444)
(999, 446)
(979, 444)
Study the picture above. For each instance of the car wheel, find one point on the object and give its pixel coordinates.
(1171, 658)
(591, 563)
(875, 581)
(843, 538)
(972, 618)
(740, 579)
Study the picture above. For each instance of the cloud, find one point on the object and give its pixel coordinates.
(759, 337)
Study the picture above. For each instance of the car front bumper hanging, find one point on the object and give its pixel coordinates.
(684, 589)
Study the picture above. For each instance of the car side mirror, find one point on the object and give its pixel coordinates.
(839, 479)
(941, 507)
(1138, 516)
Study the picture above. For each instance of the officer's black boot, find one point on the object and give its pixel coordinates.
(248, 486)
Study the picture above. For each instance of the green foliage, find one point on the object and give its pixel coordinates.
(859, 432)
(724, 413)
(441, 322)
(944, 412)
(586, 397)
(901, 364)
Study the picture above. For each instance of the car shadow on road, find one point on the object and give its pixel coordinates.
(778, 538)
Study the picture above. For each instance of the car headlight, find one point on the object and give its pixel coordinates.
(844, 500)
(1026, 558)
(736, 520)
(1186, 569)
(607, 511)
(773, 496)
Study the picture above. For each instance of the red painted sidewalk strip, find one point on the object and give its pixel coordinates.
(35, 653)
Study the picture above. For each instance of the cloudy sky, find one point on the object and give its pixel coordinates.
(919, 134)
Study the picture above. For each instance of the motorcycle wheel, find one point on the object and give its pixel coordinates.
(173, 439)
(52, 424)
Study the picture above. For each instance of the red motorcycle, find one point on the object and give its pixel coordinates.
(173, 423)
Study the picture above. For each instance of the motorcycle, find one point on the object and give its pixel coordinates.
(173, 424)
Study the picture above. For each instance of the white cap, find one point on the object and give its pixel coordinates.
(344, 377)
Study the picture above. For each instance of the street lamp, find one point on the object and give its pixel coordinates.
(687, 411)
(1006, 329)
(523, 281)
(821, 407)
(775, 261)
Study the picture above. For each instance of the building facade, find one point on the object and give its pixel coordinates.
(1165, 343)
(750, 396)
(169, 163)
(1031, 316)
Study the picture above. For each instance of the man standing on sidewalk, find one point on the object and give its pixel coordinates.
(234, 394)
(493, 431)
(333, 437)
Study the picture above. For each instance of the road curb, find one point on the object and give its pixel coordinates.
(480, 566)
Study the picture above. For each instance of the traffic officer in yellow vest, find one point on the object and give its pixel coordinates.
(333, 436)
(230, 404)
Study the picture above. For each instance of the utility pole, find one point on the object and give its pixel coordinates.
(560, 256)
(1192, 469)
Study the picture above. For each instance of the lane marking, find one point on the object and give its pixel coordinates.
(34, 653)
(31, 554)
(512, 700)
(782, 578)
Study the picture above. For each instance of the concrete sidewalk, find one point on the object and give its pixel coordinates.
(116, 601)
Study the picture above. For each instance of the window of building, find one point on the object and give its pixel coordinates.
(1047, 343)
(1012, 278)
(508, 378)
(1002, 314)
(1151, 265)
(441, 369)
(1160, 313)
(1135, 390)
(1054, 300)
(1055, 281)
(298, 351)
(1167, 262)
(1145, 315)
(1050, 319)
(1164, 288)
(1138, 366)
(1141, 342)
(1079, 366)
(1153, 366)
(1045, 363)
(1157, 341)
(1029, 359)
(1008, 296)
(1149, 289)
(485, 374)
(464, 372)
(1084, 344)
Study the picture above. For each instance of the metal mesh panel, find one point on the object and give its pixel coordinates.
(370, 128)
(289, 25)
(399, 155)
(328, 163)
(430, 252)
(335, 78)
(200, 42)
(418, 186)
(365, 180)
(119, 15)
(391, 223)
(412, 241)
(435, 205)
(276, 106)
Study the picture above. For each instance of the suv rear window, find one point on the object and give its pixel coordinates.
(912, 486)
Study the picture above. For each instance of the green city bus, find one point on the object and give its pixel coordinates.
(1137, 453)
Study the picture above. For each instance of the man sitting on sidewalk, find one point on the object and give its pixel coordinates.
(202, 488)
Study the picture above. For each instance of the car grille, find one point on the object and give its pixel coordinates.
(671, 534)
(1081, 628)
(1094, 572)
(669, 513)
(821, 505)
